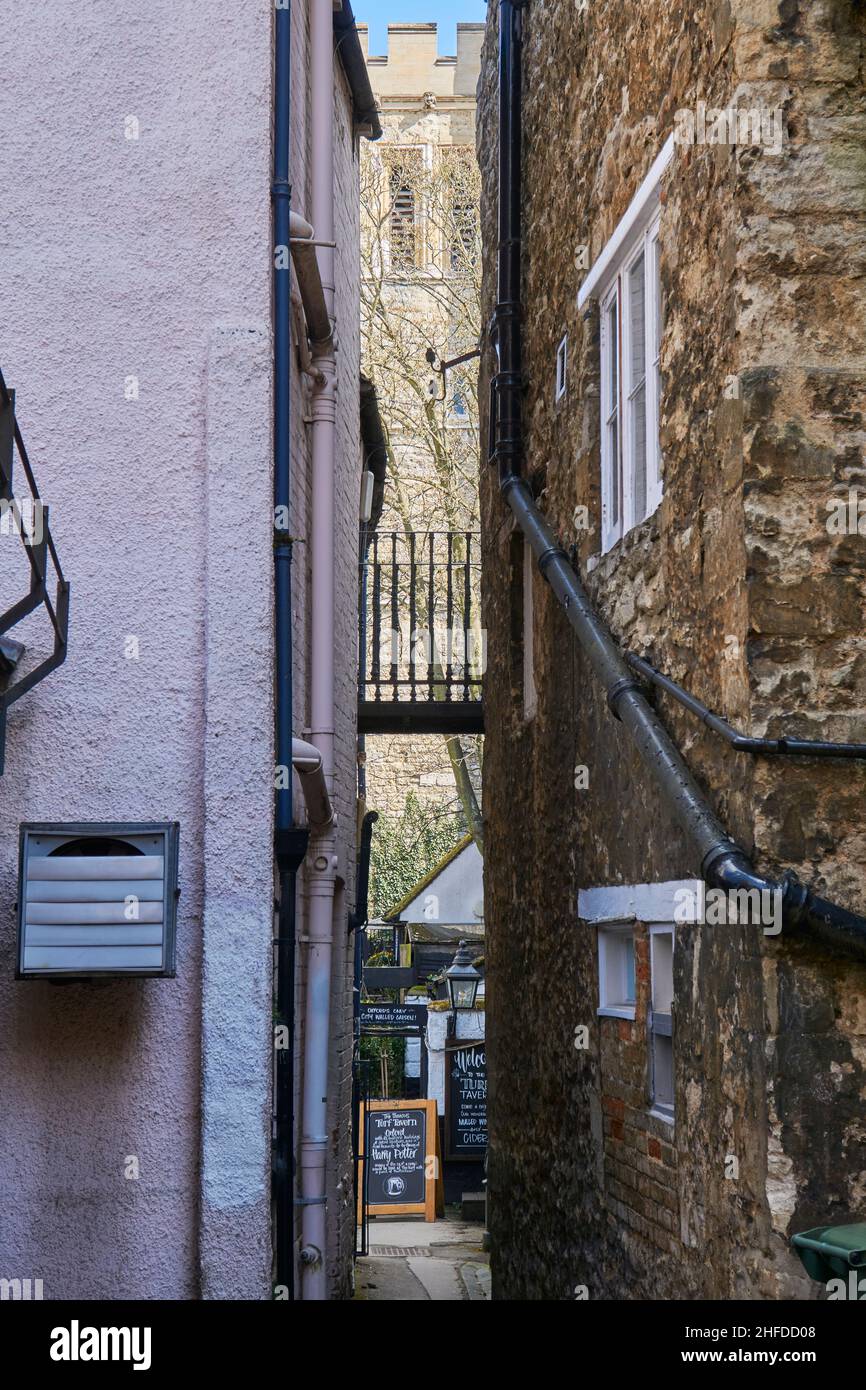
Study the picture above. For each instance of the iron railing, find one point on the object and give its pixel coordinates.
(420, 636)
(30, 521)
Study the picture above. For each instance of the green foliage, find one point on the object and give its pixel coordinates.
(407, 847)
(395, 1050)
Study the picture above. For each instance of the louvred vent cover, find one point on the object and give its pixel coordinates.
(97, 900)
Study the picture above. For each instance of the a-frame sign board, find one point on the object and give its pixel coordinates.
(401, 1167)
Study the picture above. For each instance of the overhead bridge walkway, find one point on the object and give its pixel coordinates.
(421, 647)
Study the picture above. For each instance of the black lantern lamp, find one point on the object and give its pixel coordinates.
(462, 978)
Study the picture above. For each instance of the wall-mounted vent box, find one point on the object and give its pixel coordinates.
(97, 900)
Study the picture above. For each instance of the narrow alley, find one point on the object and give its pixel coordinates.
(432, 674)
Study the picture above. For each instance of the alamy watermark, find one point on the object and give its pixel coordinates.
(852, 1290)
(721, 907)
(24, 517)
(748, 127)
(846, 516)
(77, 1343)
(20, 1289)
(446, 649)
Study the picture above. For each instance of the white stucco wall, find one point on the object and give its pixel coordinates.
(455, 895)
(151, 258)
(469, 1028)
(146, 258)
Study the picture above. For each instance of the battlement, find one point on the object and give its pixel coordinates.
(412, 65)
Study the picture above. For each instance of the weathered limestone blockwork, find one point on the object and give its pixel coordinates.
(734, 587)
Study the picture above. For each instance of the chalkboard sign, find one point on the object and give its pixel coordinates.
(400, 1164)
(393, 1016)
(466, 1101)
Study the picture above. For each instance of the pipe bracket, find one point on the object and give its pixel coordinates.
(619, 688)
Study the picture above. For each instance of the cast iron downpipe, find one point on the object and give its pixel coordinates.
(321, 883)
(289, 843)
(723, 864)
(786, 746)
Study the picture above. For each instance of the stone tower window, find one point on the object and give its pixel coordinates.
(402, 226)
(405, 180)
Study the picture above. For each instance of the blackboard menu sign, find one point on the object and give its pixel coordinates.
(399, 1157)
(393, 1016)
(466, 1101)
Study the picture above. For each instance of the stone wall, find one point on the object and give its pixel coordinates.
(736, 588)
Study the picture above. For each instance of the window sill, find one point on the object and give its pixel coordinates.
(659, 1114)
(638, 534)
(616, 1011)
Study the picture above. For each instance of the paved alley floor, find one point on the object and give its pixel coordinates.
(417, 1259)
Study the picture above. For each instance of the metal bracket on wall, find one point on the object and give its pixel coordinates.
(440, 367)
(35, 534)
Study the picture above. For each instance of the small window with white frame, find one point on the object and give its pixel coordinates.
(625, 280)
(616, 971)
(661, 1020)
(562, 368)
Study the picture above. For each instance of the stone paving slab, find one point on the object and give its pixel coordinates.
(476, 1281)
(387, 1281)
(439, 1261)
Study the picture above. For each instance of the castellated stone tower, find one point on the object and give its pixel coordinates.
(412, 67)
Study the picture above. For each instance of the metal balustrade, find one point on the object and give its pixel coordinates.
(422, 650)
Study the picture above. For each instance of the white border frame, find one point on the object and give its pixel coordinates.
(606, 931)
(616, 291)
(660, 1109)
(659, 907)
(639, 212)
(610, 531)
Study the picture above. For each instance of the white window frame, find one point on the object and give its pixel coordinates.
(660, 1021)
(615, 940)
(637, 233)
(617, 466)
(562, 368)
(530, 693)
(611, 415)
(660, 906)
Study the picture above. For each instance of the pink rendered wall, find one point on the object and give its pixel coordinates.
(347, 498)
(146, 258)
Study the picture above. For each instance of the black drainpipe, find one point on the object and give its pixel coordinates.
(724, 864)
(290, 843)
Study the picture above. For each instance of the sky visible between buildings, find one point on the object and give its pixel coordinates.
(446, 13)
